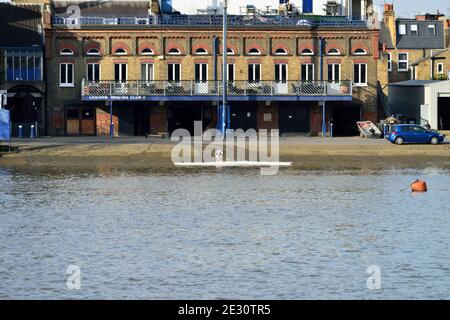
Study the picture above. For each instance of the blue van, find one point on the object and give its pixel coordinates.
(412, 133)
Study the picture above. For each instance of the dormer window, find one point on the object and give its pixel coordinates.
(414, 29)
(402, 29)
(93, 52)
(66, 52)
(431, 30)
(307, 52)
(120, 51)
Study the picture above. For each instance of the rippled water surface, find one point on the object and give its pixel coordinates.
(224, 234)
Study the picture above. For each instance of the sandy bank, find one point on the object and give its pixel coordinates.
(307, 156)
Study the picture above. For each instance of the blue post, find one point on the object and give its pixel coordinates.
(111, 122)
(324, 123)
(331, 130)
(224, 68)
(20, 132)
(32, 132)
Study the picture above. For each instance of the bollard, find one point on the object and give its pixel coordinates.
(20, 132)
(32, 132)
(111, 130)
(331, 130)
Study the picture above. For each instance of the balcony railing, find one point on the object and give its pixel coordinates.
(213, 20)
(214, 88)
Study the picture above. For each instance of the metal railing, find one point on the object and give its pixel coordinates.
(214, 88)
(213, 20)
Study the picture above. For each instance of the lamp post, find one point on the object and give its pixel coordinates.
(224, 109)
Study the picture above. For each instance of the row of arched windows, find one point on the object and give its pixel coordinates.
(203, 51)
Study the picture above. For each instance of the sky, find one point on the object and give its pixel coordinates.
(409, 8)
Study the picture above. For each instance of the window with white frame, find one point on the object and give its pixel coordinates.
(402, 29)
(66, 52)
(360, 74)
(360, 52)
(120, 72)
(440, 68)
(254, 73)
(201, 51)
(120, 52)
(403, 62)
(230, 72)
(414, 29)
(281, 52)
(254, 52)
(173, 72)
(147, 72)
(389, 61)
(307, 52)
(93, 52)
(333, 52)
(307, 72)
(66, 75)
(334, 72)
(147, 51)
(93, 72)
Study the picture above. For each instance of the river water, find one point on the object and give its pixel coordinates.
(224, 234)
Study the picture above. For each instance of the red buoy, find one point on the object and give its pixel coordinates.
(419, 186)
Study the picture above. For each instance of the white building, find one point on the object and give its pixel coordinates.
(351, 8)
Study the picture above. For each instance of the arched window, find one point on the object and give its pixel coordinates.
(93, 52)
(120, 51)
(254, 51)
(333, 52)
(307, 52)
(230, 51)
(201, 51)
(66, 52)
(174, 51)
(360, 51)
(281, 52)
(147, 51)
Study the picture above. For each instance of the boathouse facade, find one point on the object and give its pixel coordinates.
(152, 73)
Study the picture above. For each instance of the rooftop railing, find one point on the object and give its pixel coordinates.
(214, 88)
(213, 20)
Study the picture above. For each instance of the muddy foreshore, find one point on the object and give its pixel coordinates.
(156, 156)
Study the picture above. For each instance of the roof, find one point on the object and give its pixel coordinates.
(423, 40)
(385, 36)
(417, 83)
(103, 8)
(20, 25)
(437, 54)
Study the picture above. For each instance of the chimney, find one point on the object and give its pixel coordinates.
(389, 22)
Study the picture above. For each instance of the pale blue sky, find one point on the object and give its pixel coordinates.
(408, 8)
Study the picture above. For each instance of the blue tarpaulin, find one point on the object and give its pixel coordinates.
(5, 130)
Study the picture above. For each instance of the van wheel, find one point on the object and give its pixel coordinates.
(434, 141)
(399, 140)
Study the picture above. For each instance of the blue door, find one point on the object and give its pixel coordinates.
(307, 6)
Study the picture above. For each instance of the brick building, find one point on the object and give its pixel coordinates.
(154, 74)
(405, 41)
(21, 65)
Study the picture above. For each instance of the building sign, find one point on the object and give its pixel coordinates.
(5, 129)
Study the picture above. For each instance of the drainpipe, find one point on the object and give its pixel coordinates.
(224, 68)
